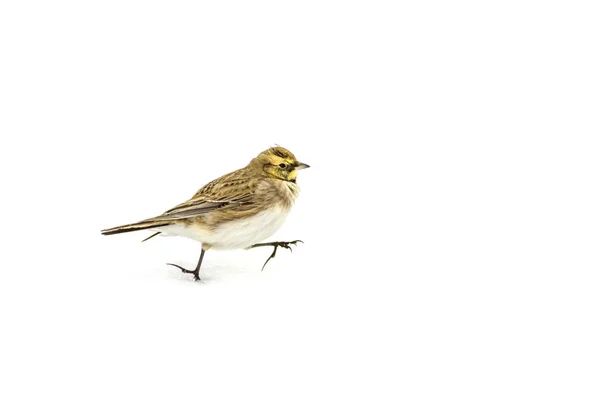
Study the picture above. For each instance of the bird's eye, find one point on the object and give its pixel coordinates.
(282, 165)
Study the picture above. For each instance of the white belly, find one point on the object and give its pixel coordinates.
(234, 234)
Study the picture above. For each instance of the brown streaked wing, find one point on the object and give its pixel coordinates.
(198, 206)
(220, 193)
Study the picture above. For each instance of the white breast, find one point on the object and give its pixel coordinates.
(238, 234)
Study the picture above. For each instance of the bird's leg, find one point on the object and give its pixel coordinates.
(285, 245)
(196, 271)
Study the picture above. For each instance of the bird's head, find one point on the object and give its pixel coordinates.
(279, 163)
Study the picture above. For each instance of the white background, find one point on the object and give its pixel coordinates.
(450, 216)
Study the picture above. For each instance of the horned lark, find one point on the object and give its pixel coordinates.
(235, 211)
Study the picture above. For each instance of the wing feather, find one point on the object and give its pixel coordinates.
(229, 191)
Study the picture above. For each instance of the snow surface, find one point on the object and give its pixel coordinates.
(450, 215)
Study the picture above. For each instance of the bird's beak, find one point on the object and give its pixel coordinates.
(302, 166)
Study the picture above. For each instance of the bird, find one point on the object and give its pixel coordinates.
(236, 211)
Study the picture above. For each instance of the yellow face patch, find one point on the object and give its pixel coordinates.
(292, 175)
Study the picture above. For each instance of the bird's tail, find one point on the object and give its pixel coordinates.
(138, 226)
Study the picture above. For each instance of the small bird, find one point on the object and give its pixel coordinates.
(235, 211)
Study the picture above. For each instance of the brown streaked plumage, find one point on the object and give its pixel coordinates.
(236, 210)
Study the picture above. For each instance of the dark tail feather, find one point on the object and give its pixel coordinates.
(151, 236)
(135, 227)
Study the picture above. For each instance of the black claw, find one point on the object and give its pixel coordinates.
(195, 272)
(186, 271)
(275, 246)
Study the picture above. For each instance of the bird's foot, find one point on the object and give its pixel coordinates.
(285, 245)
(194, 272)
